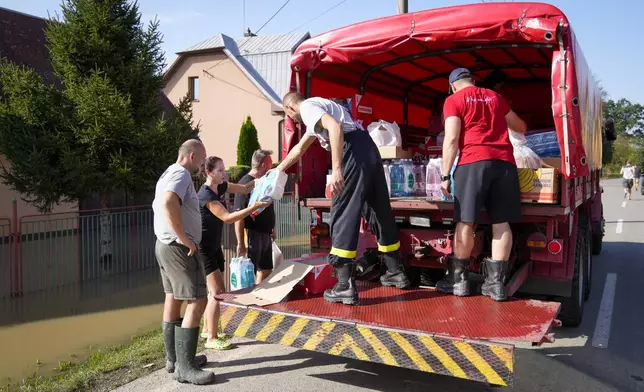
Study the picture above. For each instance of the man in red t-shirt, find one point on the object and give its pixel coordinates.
(476, 124)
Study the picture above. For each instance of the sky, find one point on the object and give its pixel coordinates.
(609, 31)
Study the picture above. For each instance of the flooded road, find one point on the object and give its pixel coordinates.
(70, 323)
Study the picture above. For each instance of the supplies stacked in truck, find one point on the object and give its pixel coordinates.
(538, 181)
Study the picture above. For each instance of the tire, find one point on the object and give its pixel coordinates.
(589, 257)
(598, 237)
(572, 308)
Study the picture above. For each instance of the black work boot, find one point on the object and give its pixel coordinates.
(170, 354)
(495, 274)
(455, 280)
(185, 343)
(345, 290)
(395, 275)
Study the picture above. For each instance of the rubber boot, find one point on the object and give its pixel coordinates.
(345, 290)
(455, 281)
(495, 274)
(170, 353)
(395, 275)
(185, 343)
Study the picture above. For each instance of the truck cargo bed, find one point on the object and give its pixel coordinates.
(420, 329)
(424, 204)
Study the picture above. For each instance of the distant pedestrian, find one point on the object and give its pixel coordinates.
(213, 216)
(628, 174)
(636, 179)
(177, 226)
(260, 229)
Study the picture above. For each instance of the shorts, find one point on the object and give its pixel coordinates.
(183, 276)
(493, 185)
(628, 184)
(213, 259)
(260, 250)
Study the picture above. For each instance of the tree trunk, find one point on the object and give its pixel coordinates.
(105, 259)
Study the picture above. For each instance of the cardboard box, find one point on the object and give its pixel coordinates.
(539, 186)
(394, 152)
(319, 278)
(552, 162)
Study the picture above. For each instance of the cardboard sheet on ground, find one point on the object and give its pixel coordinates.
(278, 285)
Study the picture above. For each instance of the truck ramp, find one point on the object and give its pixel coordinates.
(469, 338)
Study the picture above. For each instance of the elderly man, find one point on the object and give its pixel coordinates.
(260, 229)
(476, 124)
(177, 226)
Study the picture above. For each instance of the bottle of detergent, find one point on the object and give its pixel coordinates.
(397, 178)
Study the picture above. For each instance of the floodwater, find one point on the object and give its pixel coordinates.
(42, 329)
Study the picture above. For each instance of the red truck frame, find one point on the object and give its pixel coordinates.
(396, 69)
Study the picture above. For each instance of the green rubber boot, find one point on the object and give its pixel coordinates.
(186, 371)
(170, 354)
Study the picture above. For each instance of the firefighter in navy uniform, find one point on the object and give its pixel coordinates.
(357, 178)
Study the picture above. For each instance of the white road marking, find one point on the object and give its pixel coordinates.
(624, 204)
(620, 226)
(605, 315)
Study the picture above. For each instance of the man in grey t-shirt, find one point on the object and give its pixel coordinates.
(358, 177)
(177, 226)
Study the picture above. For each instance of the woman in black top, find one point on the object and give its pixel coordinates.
(213, 216)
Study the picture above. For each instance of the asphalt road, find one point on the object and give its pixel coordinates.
(570, 364)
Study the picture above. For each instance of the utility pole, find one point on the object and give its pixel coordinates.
(403, 6)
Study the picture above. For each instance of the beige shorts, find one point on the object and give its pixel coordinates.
(183, 276)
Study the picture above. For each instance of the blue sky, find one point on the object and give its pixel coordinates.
(609, 31)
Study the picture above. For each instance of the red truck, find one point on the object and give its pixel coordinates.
(395, 69)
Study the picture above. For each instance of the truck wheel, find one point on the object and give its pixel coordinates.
(572, 308)
(584, 222)
(598, 236)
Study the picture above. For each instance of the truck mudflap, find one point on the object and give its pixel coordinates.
(419, 329)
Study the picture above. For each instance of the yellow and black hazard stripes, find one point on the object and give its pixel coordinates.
(478, 361)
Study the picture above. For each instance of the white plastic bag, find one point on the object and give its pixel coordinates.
(269, 187)
(385, 133)
(523, 155)
(278, 257)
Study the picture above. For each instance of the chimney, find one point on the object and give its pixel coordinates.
(403, 6)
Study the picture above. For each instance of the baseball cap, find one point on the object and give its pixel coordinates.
(458, 74)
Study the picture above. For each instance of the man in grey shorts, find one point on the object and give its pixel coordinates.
(177, 226)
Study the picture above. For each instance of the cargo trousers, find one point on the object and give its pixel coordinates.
(365, 193)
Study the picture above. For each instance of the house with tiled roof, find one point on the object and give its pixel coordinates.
(230, 79)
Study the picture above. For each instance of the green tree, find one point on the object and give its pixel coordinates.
(101, 126)
(629, 124)
(247, 144)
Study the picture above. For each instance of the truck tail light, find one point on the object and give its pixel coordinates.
(555, 247)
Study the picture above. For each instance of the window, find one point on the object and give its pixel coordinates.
(193, 88)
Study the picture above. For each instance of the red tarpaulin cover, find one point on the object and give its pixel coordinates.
(410, 56)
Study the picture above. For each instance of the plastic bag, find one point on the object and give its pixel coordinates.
(278, 257)
(523, 155)
(269, 187)
(385, 133)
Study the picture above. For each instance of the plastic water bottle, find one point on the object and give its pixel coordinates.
(388, 178)
(397, 178)
(419, 178)
(247, 273)
(410, 179)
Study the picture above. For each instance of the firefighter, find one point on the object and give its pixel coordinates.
(357, 178)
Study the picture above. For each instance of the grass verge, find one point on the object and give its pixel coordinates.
(104, 370)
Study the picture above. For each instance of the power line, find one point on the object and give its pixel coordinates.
(319, 16)
(274, 15)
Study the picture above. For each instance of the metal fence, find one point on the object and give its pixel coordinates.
(55, 250)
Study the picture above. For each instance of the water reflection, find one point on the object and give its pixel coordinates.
(61, 325)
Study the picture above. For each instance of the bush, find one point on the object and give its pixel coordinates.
(247, 144)
(237, 172)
